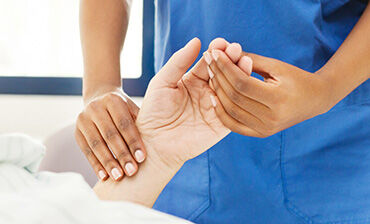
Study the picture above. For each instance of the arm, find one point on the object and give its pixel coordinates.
(143, 188)
(350, 65)
(288, 95)
(103, 30)
(107, 122)
(177, 123)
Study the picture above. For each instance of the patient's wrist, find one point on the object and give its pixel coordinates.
(143, 188)
(160, 157)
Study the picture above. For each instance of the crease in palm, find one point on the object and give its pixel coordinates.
(177, 116)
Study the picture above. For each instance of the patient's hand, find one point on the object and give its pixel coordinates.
(177, 122)
(177, 118)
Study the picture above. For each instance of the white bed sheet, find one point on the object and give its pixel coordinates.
(27, 196)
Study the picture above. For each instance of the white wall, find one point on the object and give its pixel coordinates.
(38, 116)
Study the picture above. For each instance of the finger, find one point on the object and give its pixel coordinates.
(199, 69)
(233, 110)
(263, 66)
(100, 149)
(177, 65)
(224, 89)
(246, 64)
(115, 142)
(218, 43)
(133, 108)
(246, 85)
(127, 128)
(94, 162)
(234, 52)
(230, 122)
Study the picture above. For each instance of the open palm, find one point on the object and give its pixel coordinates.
(177, 117)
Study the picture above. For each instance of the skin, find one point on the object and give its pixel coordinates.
(275, 104)
(108, 119)
(177, 123)
(288, 95)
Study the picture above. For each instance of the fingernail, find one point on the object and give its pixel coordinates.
(130, 168)
(213, 100)
(102, 174)
(211, 75)
(139, 155)
(215, 54)
(116, 173)
(207, 58)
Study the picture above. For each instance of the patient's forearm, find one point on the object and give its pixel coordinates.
(143, 188)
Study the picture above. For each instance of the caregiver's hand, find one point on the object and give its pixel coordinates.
(106, 126)
(288, 95)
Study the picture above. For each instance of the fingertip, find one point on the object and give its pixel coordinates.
(139, 156)
(216, 54)
(102, 175)
(130, 168)
(246, 64)
(218, 43)
(116, 174)
(234, 52)
(195, 42)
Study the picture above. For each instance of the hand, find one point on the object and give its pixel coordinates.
(177, 123)
(177, 119)
(107, 135)
(287, 96)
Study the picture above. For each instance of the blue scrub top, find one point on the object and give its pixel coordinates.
(315, 172)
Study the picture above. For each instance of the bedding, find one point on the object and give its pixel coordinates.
(28, 196)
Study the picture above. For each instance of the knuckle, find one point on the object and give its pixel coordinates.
(125, 123)
(94, 163)
(123, 155)
(111, 134)
(109, 164)
(235, 97)
(240, 85)
(133, 142)
(95, 143)
(93, 106)
(273, 119)
(112, 97)
(80, 117)
(269, 131)
(232, 112)
(87, 152)
(221, 64)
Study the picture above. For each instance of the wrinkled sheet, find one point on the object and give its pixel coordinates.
(30, 197)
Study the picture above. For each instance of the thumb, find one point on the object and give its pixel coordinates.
(178, 64)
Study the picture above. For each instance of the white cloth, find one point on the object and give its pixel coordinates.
(45, 197)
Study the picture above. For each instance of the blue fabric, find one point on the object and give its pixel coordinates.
(315, 172)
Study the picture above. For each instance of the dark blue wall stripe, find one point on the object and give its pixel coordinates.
(60, 86)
